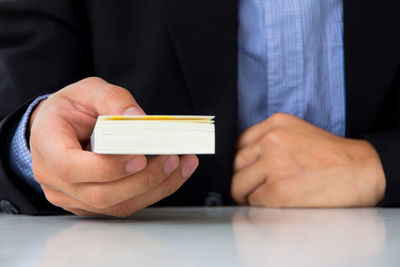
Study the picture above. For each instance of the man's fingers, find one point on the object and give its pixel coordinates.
(247, 180)
(104, 195)
(257, 131)
(68, 203)
(78, 166)
(187, 166)
(247, 156)
(60, 199)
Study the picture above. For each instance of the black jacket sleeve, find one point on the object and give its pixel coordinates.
(388, 146)
(44, 46)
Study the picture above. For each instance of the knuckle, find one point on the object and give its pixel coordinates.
(245, 156)
(114, 92)
(278, 118)
(275, 136)
(92, 79)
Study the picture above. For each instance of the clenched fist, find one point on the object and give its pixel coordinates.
(287, 162)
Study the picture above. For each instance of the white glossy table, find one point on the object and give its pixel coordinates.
(206, 237)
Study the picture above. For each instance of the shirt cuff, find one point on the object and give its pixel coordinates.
(20, 160)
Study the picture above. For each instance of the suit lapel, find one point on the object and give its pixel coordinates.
(370, 65)
(204, 35)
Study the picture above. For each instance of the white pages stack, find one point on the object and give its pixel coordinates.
(154, 135)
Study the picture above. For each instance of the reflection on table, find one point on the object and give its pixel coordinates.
(206, 237)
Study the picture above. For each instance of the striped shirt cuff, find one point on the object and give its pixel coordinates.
(20, 159)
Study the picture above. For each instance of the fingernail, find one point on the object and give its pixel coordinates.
(135, 164)
(170, 164)
(189, 166)
(134, 111)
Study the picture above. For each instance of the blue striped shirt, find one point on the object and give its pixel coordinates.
(291, 60)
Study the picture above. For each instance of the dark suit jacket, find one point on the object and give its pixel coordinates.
(180, 57)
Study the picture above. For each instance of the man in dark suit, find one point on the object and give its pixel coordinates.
(201, 57)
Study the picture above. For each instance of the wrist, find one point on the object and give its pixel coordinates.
(32, 118)
(368, 174)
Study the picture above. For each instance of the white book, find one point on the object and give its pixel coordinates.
(154, 135)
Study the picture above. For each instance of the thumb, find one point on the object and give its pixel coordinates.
(103, 98)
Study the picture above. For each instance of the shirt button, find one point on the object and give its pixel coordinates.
(213, 199)
(7, 207)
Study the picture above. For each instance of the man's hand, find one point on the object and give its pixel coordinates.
(287, 162)
(86, 183)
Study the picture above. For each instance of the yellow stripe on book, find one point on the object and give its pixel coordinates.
(139, 118)
(157, 117)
